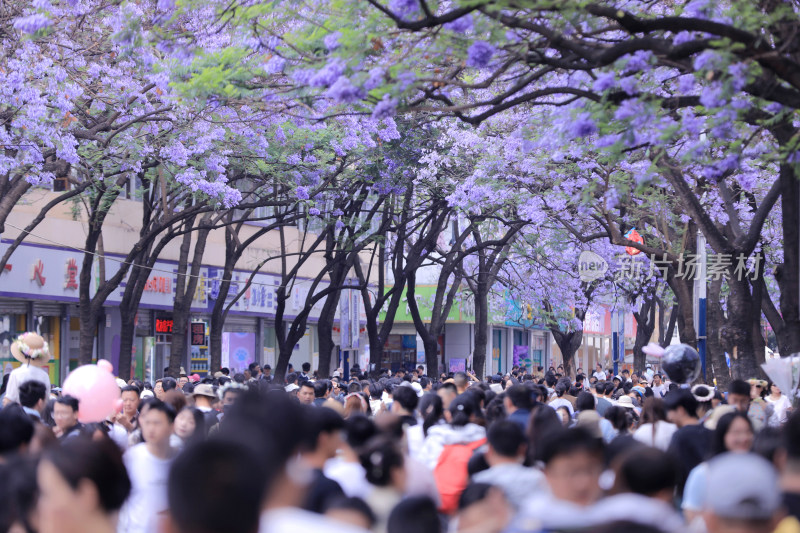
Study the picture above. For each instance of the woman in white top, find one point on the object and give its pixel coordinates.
(655, 431)
(781, 406)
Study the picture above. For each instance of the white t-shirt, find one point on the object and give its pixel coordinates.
(148, 495)
(22, 374)
(350, 476)
(663, 434)
(292, 520)
(601, 376)
(659, 390)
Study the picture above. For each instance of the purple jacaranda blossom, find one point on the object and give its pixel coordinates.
(32, 23)
(339, 224)
(343, 91)
(639, 61)
(280, 135)
(165, 5)
(275, 65)
(332, 40)
(686, 84)
(405, 79)
(293, 159)
(302, 192)
(404, 8)
(314, 212)
(712, 96)
(773, 107)
(794, 157)
(605, 81)
(480, 54)
(698, 9)
(337, 212)
(461, 24)
(628, 108)
(630, 85)
(582, 126)
(374, 78)
(386, 108)
(738, 72)
(611, 198)
(707, 60)
(329, 74)
(683, 37)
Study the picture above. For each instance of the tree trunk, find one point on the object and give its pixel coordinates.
(568, 343)
(645, 325)
(480, 333)
(789, 274)
(738, 329)
(325, 332)
(716, 345)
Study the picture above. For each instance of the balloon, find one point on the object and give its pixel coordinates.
(96, 390)
(681, 363)
(105, 365)
(654, 349)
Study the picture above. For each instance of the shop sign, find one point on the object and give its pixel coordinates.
(198, 330)
(164, 325)
(160, 284)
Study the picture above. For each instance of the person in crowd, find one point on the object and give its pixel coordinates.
(654, 429)
(447, 392)
(189, 427)
(518, 404)
(691, 442)
(33, 398)
(431, 411)
(303, 376)
(599, 374)
(148, 466)
(351, 511)
(573, 462)
(790, 471)
(417, 514)
(82, 485)
(346, 467)
(564, 416)
(384, 464)
(461, 429)
(734, 433)
(204, 398)
(482, 507)
(404, 406)
(746, 397)
(781, 406)
(306, 394)
(130, 408)
(734, 506)
(16, 432)
(33, 352)
(65, 413)
(505, 455)
(255, 371)
(214, 487)
(561, 390)
(659, 387)
(320, 392)
(323, 439)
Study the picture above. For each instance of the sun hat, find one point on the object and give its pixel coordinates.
(31, 348)
(291, 387)
(204, 389)
(626, 402)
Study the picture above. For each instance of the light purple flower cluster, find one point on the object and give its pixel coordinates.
(461, 24)
(384, 109)
(314, 212)
(332, 40)
(343, 91)
(605, 81)
(32, 23)
(329, 74)
(404, 8)
(480, 54)
(582, 126)
(302, 193)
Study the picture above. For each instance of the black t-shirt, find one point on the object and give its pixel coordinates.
(690, 446)
(321, 491)
(791, 500)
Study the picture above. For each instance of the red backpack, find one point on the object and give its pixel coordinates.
(451, 473)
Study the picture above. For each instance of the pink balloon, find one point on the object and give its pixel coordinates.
(105, 365)
(96, 390)
(654, 349)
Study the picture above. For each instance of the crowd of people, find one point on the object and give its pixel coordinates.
(403, 452)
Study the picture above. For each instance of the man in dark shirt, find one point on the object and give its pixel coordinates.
(324, 428)
(691, 443)
(518, 403)
(790, 476)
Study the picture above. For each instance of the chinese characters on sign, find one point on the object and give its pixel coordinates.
(71, 275)
(163, 325)
(159, 284)
(198, 333)
(38, 273)
(688, 267)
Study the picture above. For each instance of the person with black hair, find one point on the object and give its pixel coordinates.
(654, 429)
(482, 507)
(431, 410)
(189, 427)
(255, 371)
(323, 439)
(306, 393)
(65, 413)
(417, 514)
(691, 442)
(32, 398)
(734, 433)
(214, 487)
(790, 473)
(18, 496)
(148, 466)
(320, 392)
(351, 511)
(130, 408)
(506, 452)
(303, 376)
(404, 405)
(16, 430)
(573, 461)
(518, 403)
(561, 400)
(447, 392)
(82, 486)
(384, 464)
(346, 467)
